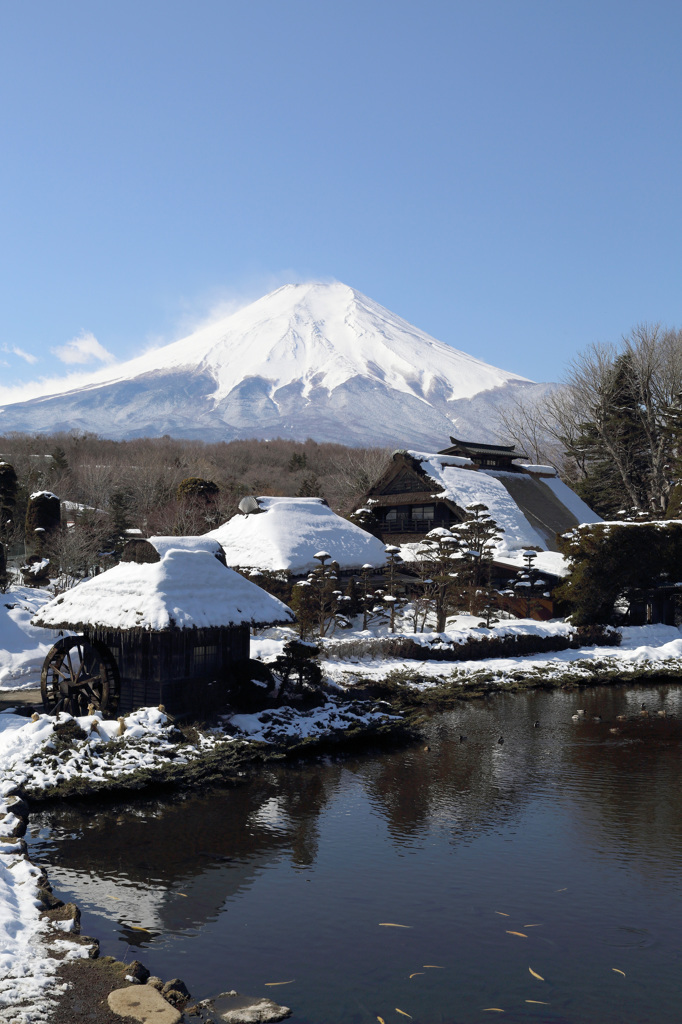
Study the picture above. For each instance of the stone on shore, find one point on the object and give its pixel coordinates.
(143, 1003)
(233, 1008)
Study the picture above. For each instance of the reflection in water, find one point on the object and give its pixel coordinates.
(558, 850)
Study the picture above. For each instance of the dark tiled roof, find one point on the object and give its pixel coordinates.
(479, 448)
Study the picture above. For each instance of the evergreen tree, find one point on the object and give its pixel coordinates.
(297, 461)
(310, 487)
(615, 445)
(437, 563)
(390, 596)
(318, 600)
(194, 487)
(59, 459)
(477, 534)
(610, 563)
(121, 506)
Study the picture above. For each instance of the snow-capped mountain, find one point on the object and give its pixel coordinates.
(312, 360)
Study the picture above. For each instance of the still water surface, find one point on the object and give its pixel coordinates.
(292, 876)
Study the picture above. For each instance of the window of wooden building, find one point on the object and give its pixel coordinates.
(204, 659)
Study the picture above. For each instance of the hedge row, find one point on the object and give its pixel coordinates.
(511, 645)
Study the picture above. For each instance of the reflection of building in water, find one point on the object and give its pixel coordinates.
(210, 847)
(467, 787)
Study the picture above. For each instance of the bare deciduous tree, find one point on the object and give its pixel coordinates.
(612, 414)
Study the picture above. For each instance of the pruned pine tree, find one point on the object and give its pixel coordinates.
(370, 597)
(437, 565)
(391, 598)
(318, 601)
(477, 534)
(529, 583)
(366, 519)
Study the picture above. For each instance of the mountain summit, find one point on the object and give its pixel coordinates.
(310, 360)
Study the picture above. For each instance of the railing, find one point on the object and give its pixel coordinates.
(409, 525)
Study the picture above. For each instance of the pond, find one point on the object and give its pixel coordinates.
(555, 855)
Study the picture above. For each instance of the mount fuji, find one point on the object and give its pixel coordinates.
(313, 360)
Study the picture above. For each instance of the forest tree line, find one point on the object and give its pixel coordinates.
(146, 483)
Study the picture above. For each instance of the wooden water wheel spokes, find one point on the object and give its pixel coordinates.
(77, 673)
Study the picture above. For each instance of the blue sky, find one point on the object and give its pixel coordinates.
(505, 175)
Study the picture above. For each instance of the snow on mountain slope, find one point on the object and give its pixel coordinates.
(312, 360)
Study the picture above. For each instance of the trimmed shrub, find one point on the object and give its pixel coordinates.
(476, 648)
(43, 518)
(609, 561)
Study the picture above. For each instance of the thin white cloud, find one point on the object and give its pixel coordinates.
(215, 304)
(52, 385)
(16, 351)
(85, 348)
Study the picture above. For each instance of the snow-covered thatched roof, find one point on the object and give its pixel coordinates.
(287, 533)
(202, 543)
(531, 506)
(184, 590)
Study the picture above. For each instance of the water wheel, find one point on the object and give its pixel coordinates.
(78, 672)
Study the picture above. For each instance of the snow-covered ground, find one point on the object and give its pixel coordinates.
(642, 647)
(22, 646)
(28, 943)
(27, 968)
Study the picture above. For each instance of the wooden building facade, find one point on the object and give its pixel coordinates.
(171, 627)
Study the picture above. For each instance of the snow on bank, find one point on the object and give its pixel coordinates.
(28, 943)
(22, 646)
(29, 759)
(26, 967)
(278, 725)
(651, 647)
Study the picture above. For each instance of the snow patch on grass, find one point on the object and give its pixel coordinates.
(22, 646)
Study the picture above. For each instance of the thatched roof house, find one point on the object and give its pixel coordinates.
(286, 533)
(422, 490)
(175, 629)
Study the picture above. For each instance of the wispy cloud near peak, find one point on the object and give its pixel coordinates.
(85, 348)
(22, 353)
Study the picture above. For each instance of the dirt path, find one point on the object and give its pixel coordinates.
(23, 701)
